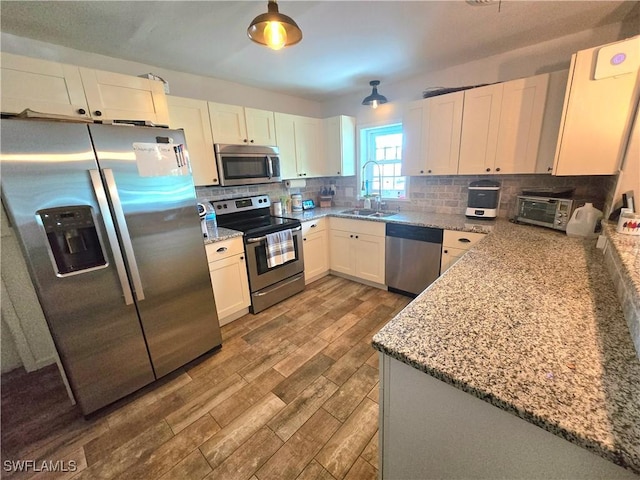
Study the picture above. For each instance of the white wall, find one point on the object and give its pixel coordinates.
(540, 58)
(181, 84)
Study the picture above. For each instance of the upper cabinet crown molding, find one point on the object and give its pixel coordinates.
(61, 89)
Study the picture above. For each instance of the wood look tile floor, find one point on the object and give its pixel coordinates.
(292, 394)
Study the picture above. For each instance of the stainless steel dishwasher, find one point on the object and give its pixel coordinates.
(412, 257)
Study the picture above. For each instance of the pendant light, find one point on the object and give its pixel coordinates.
(274, 29)
(375, 98)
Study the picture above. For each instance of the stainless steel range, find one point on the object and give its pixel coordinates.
(251, 215)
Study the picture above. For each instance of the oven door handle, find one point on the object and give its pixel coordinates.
(264, 237)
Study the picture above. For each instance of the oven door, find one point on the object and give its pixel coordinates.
(260, 275)
(538, 211)
(247, 168)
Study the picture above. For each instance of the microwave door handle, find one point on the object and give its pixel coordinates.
(270, 166)
(101, 196)
(124, 232)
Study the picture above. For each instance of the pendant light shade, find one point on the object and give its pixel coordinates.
(274, 29)
(375, 98)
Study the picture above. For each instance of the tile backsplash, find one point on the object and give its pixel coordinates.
(439, 194)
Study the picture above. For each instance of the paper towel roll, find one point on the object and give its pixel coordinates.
(296, 183)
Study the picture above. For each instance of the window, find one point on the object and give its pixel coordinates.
(384, 146)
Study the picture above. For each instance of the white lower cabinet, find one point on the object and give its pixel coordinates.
(227, 267)
(455, 244)
(315, 239)
(358, 249)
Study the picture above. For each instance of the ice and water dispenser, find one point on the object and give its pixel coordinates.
(74, 245)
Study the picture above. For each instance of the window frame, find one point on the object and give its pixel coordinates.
(366, 138)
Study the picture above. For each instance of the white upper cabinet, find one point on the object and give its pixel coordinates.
(42, 86)
(340, 144)
(601, 95)
(431, 142)
(113, 96)
(501, 126)
(521, 117)
(238, 125)
(60, 89)
(300, 142)
(480, 124)
(193, 116)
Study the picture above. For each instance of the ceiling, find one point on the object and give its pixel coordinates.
(345, 43)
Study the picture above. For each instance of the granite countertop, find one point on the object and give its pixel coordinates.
(218, 234)
(529, 321)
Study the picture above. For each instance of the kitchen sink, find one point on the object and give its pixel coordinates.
(365, 212)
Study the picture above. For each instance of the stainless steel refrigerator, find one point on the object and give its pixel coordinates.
(107, 220)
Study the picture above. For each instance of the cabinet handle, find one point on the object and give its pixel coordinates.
(428, 171)
(445, 251)
(549, 169)
(498, 169)
(242, 258)
(215, 180)
(488, 170)
(82, 111)
(304, 239)
(421, 171)
(338, 173)
(351, 236)
(251, 141)
(356, 236)
(304, 174)
(464, 240)
(221, 249)
(97, 113)
(313, 226)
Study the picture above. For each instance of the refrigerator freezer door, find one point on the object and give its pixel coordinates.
(156, 206)
(46, 165)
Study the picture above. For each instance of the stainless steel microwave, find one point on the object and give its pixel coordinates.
(546, 211)
(247, 164)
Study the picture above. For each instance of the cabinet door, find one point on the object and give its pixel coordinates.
(193, 116)
(260, 126)
(522, 112)
(316, 255)
(413, 159)
(449, 257)
(480, 124)
(341, 252)
(369, 254)
(340, 140)
(286, 141)
(596, 116)
(230, 285)
(227, 123)
(41, 86)
(308, 134)
(113, 96)
(443, 128)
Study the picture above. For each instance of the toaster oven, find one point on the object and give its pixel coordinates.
(546, 211)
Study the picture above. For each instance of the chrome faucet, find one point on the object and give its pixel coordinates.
(379, 201)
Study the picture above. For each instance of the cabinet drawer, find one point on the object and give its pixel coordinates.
(358, 226)
(224, 249)
(462, 240)
(312, 226)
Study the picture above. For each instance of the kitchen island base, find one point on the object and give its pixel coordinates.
(429, 429)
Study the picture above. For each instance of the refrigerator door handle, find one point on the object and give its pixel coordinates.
(101, 196)
(124, 232)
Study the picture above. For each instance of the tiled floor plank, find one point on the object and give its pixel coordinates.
(362, 470)
(299, 450)
(351, 393)
(346, 445)
(192, 467)
(302, 378)
(249, 457)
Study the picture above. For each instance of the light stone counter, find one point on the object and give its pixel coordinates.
(529, 321)
(218, 234)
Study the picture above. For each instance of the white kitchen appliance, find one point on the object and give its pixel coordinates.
(483, 199)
